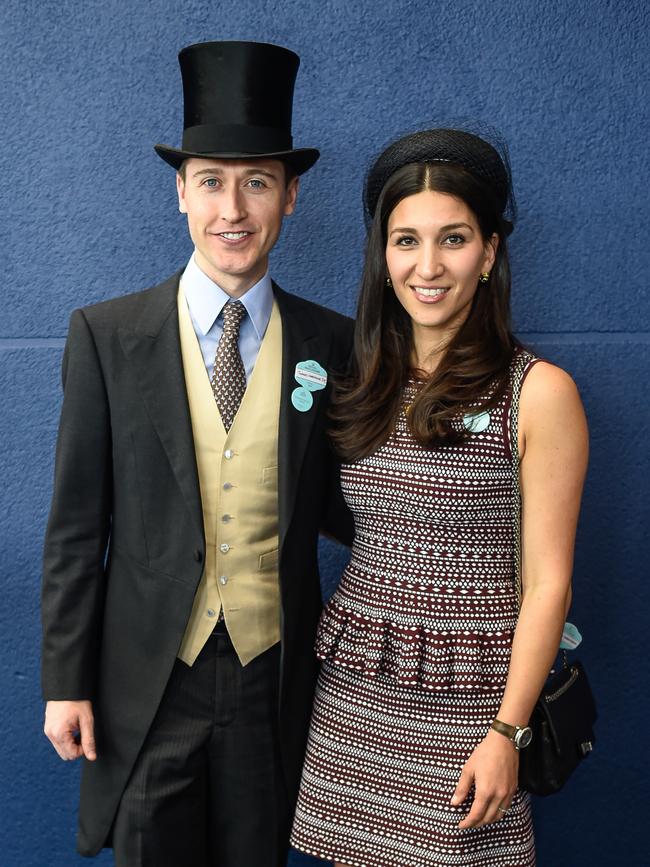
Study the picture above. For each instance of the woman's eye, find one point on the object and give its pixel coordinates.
(454, 240)
(405, 241)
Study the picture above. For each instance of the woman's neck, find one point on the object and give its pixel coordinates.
(428, 351)
(430, 345)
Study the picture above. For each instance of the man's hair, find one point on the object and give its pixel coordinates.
(289, 172)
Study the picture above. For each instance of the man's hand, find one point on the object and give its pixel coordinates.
(70, 726)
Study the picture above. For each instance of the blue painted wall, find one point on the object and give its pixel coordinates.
(89, 212)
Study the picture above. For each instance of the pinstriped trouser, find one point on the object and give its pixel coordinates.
(206, 790)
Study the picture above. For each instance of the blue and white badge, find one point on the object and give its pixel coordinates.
(310, 375)
(476, 422)
(302, 399)
(571, 638)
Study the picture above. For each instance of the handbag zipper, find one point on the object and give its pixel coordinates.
(558, 692)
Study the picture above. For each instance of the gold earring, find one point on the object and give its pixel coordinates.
(484, 277)
(389, 282)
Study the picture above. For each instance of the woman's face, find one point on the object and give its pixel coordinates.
(435, 254)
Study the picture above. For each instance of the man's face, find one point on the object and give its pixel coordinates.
(234, 214)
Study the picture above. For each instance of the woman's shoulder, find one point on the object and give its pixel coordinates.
(546, 383)
(551, 410)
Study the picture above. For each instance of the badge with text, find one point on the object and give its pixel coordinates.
(302, 399)
(310, 375)
(571, 638)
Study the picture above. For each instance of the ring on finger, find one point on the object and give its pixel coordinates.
(503, 811)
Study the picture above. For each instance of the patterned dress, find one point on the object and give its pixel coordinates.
(416, 644)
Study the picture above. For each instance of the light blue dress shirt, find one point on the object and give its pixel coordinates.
(206, 301)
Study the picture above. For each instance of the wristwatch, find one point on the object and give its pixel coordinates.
(520, 736)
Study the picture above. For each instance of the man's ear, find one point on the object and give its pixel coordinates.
(291, 195)
(180, 189)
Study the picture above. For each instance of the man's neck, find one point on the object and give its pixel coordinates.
(234, 285)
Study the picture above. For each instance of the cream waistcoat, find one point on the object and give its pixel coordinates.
(238, 477)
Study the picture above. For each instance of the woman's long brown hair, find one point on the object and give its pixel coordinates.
(473, 372)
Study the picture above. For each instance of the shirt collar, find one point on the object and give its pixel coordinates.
(206, 299)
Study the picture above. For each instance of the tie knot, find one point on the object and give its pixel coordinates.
(233, 313)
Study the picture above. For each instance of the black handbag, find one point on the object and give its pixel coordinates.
(563, 718)
(562, 722)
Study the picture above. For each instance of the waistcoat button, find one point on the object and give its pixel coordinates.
(223, 579)
(227, 486)
(226, 518)
(224, 547)
(228, 454)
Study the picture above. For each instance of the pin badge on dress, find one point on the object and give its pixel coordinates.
(476, 422)
(310, 376)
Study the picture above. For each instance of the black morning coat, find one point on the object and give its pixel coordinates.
(125, 547)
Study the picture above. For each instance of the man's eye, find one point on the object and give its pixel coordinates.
(256, 183)
(211, 182)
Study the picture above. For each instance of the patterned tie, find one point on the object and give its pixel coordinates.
(229, 376)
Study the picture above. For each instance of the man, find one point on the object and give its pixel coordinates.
(193, 474)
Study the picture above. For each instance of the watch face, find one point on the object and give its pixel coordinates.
(523, 738)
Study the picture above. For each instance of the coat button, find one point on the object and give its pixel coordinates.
(198, 556)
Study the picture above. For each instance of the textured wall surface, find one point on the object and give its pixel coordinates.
(90, 212)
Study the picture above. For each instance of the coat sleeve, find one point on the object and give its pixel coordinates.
(79, 524)
(338, 522)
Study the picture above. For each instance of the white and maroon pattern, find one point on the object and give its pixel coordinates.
(229, 376)
(415, 646)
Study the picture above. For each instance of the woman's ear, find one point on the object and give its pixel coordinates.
(491, 248)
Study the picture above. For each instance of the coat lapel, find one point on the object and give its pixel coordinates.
(301, 340)
(152, 346)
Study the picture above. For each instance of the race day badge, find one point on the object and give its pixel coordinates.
(476, 422)
(571, 637)
(302, 399)
(311, 377)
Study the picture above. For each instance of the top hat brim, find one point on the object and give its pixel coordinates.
(300, 159)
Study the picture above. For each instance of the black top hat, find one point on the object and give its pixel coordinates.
(238, 101)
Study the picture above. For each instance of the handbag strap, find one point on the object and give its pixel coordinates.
(522, 362)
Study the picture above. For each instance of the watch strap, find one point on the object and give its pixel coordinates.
(505, 729)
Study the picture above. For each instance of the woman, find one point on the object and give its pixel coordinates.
(430, 668)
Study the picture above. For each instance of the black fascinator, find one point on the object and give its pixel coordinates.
(487, 161)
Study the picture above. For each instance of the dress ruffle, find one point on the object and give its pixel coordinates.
(413, 655)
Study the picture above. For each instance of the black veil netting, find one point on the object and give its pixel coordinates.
(483, 152)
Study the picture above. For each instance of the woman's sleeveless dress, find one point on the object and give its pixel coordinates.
(415, 644)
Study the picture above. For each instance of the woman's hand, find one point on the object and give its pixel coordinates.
(492, 769)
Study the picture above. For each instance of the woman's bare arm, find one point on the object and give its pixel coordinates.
(553, 444)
